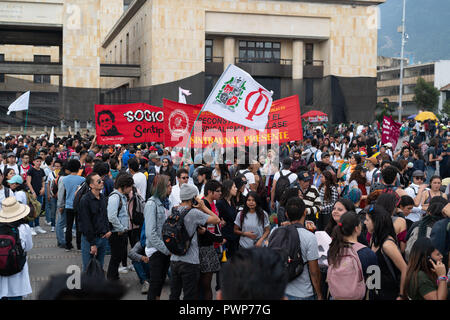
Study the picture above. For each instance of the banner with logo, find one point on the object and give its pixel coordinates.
(237, 97)
(390, 131)
(284, 125)
(128, 123)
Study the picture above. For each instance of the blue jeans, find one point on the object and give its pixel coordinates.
(50, 211)
(313, 297)
(35, 223)
(430, 172)
(60, 225)
(142, 270)
(12, 298)
(86, 250)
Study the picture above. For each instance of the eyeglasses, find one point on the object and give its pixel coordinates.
(420, 178)
(184, 178)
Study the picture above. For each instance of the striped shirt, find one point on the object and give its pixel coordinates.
(327, 206)
(312, 200)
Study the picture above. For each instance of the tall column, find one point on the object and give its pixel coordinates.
(81, 58)
(297, 59)
(228, 52)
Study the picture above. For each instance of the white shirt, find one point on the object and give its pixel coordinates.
(157, 168)
(174, 198)
(19, 284)
(416, 212)
(140, 181)
(20, 196)
(285, 172)
(2, 196)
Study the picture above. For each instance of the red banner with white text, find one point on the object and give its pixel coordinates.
(284, 125)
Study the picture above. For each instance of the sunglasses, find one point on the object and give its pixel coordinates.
(99, 181)
(183, 178)
(420, 178)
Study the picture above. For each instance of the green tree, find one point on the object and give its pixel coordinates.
(426, 95)
(446, 107)
(386, 107)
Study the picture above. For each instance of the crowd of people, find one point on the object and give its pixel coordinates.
(357, 205)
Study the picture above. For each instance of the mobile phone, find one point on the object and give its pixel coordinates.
(194, 202)
(429, 263)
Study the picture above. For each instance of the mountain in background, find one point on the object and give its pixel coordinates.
(427, 26)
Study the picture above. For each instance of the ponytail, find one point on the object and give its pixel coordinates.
(345, 228)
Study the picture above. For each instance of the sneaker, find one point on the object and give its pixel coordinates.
(33, 233)
(123, 270)
(38, 229)
(48, 223)
(145, 287)
(53, 229)
(68, 249)
(131, 268)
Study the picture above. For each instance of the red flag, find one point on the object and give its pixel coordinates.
(284, 125)
(390, 131)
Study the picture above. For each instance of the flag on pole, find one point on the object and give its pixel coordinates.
(51, 139)
(20, 104)
(237, 97)
(181, 95)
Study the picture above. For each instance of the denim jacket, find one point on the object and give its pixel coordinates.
(155, 216)
(120, 222)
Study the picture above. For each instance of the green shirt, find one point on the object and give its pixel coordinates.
(424, 286)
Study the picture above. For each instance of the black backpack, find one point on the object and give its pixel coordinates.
(138, 208)
(12, 255)
(81, 191)
(174, 232)
(283, 184)
(286, 241)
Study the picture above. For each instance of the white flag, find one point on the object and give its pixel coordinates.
(51, 139)
(21, 103)
(181, 95)
(239, 98)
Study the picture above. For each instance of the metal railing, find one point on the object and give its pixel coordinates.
(263, 60)
(214, 59)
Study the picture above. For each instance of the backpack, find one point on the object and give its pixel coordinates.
(312, 157)
(286, 241)
(35, 207)
(283, 183)
(346, 280)
(82, 189)
(54, 186)
(118, 210)
(137, 217)
(174, 232)
(12, 255)
(413, 238)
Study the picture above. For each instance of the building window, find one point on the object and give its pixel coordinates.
(39, 78)
(309, 92)
(309, 53)
(2, 76)
(209, 50)
(259, 51)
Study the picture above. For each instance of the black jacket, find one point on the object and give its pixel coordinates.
(93, 217)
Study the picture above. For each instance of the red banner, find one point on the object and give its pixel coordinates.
(284, 125)
(128, 123)
(390, 131)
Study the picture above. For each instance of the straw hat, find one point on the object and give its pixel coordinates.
(12, 210)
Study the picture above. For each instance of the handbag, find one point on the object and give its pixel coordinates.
(94, 269)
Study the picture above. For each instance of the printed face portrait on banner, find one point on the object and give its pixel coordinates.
(105, 120)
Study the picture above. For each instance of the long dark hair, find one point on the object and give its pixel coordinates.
(356, 175)
(224, 172)
(418, 261)
(329, 184)
(383, 227)
(5, 180)
(349, 206)
(388, 201)
(348, 222)
(259, 210)
(288, 194)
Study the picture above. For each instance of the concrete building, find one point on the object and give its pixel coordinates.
(112, 51)
(388, 83)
